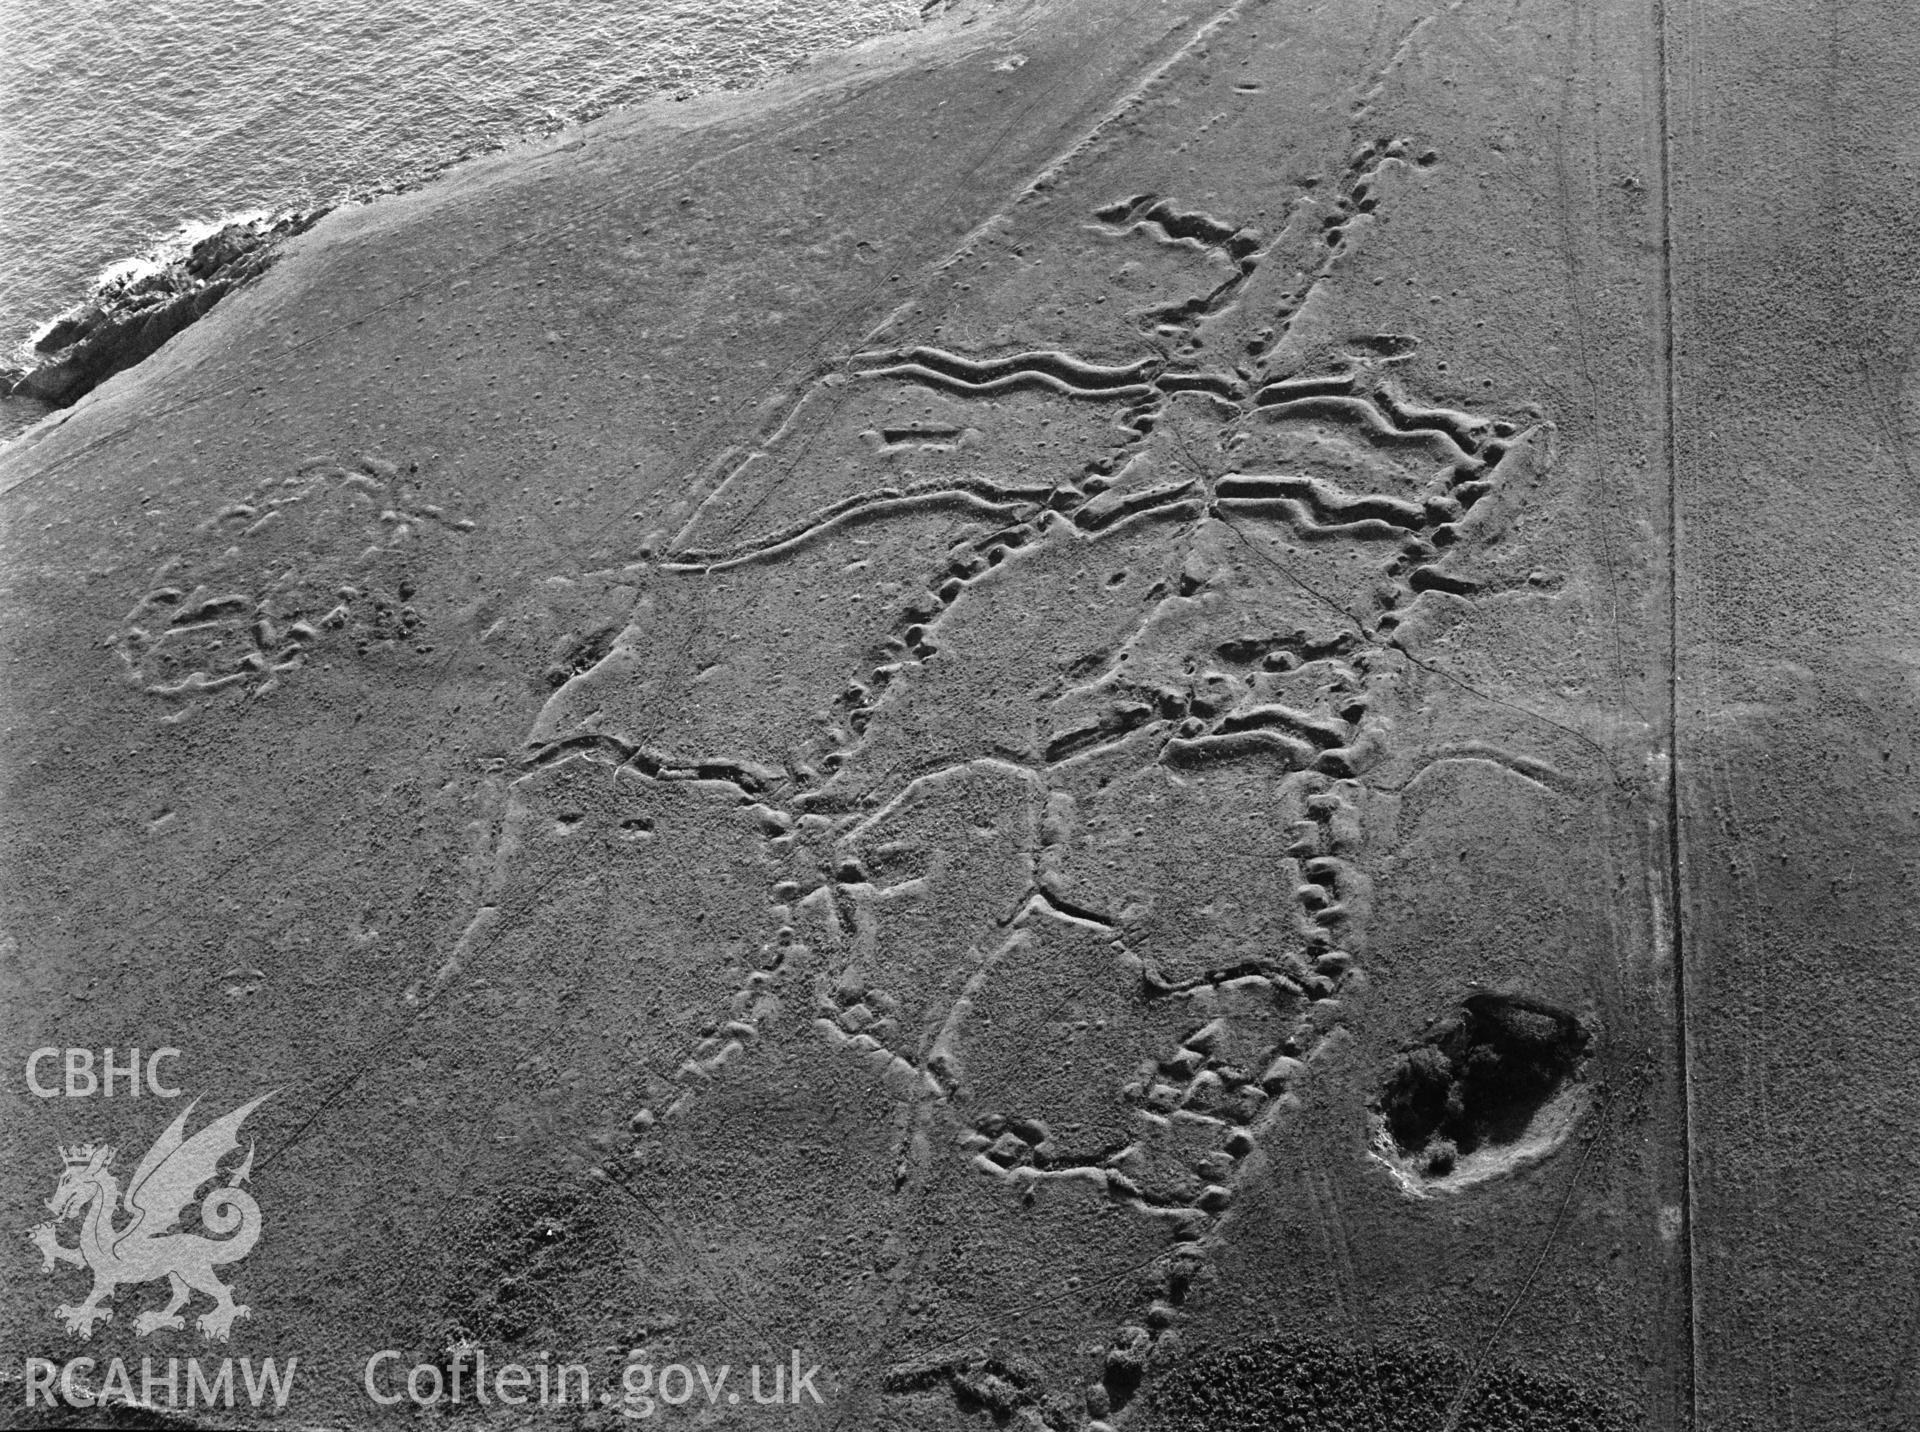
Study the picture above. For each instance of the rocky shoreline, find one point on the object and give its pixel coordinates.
(131, 314)
(127, 318)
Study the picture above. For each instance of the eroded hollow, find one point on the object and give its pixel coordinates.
(1492, 1079)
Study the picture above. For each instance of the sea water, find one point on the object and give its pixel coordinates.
(123, 120)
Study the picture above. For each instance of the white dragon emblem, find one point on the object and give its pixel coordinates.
(148, 1247)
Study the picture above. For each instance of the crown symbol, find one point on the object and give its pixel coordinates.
(80, 1155)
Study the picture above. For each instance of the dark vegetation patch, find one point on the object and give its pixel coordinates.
(518, 1278)
(1478, 1078)
(1306, 1385)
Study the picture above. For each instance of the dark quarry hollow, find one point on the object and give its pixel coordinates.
(1478, 1078)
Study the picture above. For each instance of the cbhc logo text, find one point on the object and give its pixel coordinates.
(83, 1082)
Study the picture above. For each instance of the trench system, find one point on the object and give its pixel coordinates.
(1359, 467)
(1493, 1082)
